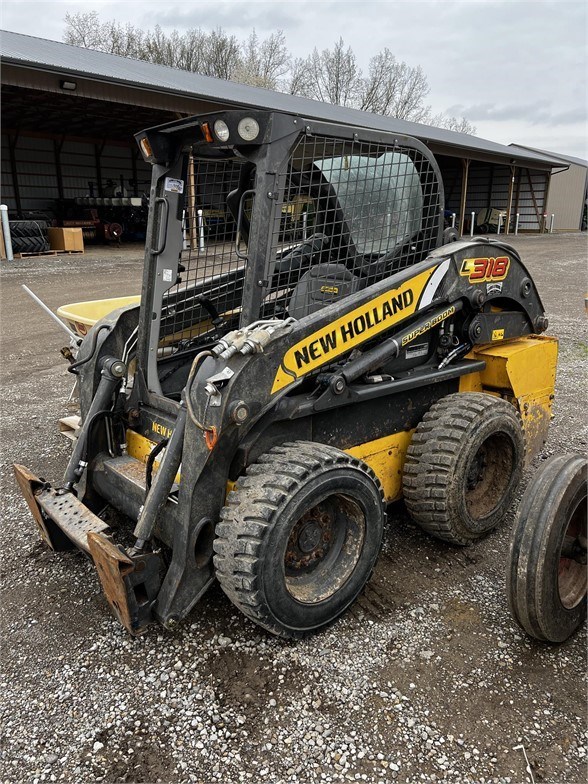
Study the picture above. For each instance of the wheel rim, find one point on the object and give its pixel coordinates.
(488, 475)
(323, 549)
(572, 575)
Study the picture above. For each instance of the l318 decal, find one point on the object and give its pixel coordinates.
(482, 270)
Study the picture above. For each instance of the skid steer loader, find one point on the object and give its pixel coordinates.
(314, 354)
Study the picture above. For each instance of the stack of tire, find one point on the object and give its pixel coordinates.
(29, 236)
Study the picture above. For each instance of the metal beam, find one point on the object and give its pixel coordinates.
(57, 145)
(134, 156)
(98, 148)
(465, 162)
(12, 142)
(532, 191)
(509, 203)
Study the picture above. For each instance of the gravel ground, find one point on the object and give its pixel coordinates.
(425, 679)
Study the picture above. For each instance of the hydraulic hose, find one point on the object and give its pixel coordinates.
(191, 376)
(390, 348)
(113, 371)
(157, 450)
(73, 368)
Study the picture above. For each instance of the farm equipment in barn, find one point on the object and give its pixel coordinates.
(276, 388)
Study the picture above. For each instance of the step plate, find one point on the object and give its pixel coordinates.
(75, 520)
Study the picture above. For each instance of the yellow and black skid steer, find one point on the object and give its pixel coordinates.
(306, 350)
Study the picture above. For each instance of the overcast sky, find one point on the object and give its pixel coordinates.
(515, 69)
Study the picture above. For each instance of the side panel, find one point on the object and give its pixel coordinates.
(523, 370)
(386, 457)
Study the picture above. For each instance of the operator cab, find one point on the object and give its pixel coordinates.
(270, 216)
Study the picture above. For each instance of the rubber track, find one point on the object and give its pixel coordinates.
(433, 450)
(250, 512)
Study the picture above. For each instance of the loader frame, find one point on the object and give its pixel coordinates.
(400, 322)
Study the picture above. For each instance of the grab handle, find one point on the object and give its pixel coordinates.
(162, 233)
(239, 221)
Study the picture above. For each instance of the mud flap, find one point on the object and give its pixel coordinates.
(130, 584)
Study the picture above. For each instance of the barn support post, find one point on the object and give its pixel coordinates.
(546, 192)
(518, 192)
(509, 202)
(538, 214)
(490, 185)
(12, 142)
(465, 162)
(57, 147)
(192, 215)
(134, 156)
(98, 149)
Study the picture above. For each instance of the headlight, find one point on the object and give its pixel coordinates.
(221, 130)
(248, 129)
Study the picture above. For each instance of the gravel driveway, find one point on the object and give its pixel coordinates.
(425, 679)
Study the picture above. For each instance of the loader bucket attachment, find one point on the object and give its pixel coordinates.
(113, 567)
(129, 584)
(31, 486)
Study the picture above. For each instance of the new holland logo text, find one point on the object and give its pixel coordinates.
(482, 270)
(352, 329)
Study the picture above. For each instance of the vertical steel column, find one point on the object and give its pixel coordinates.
(57, 146)
(12, 142)
(546, 192)
(192, 216)
(465, 163)
(97, 153)
(509, 203)
(134, 156)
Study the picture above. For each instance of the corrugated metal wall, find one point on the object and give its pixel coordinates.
(529, 198)
(488, 186)
(567, 194)
(36, 168)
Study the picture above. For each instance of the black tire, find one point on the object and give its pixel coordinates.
(36, 244)
(27, 228)
(463, 466)
(299, 537)
(546, 586)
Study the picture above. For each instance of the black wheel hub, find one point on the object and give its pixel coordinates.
(310, 539)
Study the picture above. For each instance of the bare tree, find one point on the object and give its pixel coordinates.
(264, 63)
(394, 88)
(220, 54)
(332, 76)
(459, 124)
(391, 87)
(86, 29)
(298, 77)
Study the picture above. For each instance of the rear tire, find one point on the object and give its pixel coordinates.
(29, 244)
(29, 236)
(299, 537)
(546, 587)
(463, 466)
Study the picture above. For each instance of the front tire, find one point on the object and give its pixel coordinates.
(546, 579)
(299, 537)
(463, 466)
